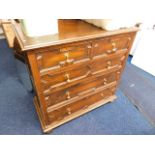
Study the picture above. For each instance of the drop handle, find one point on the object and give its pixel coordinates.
(68, 95)
(105, 81)
(96, 45)
(102, 94)
(68, 61)
(89, 46)
(114, 49)
(69, 111)
(109, 64)
(67, 77)
(66, 55)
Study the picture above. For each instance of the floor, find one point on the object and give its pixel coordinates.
(18, 115)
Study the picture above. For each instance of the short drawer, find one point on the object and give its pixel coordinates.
(71, 75)
(105, 63)
(111, 45)
(55, 58)
(80, 89)
(83, 104)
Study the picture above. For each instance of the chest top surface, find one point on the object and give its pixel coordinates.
(70, 30)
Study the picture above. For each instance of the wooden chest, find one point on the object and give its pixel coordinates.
(75, 71)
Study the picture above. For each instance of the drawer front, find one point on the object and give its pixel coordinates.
(80, 89)
(60, 57)
(62, 78)
(69, 109)
(102, 63)
(111, 45)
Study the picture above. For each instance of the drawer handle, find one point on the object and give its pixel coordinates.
(114, 49)
(109, 51)
(69, 111)
(66, 55)
(105, 81)
(109, 63)
(68, 61)
(89, 46)
(96, 45)
(68, 95)
(67, 77)
(102, 94)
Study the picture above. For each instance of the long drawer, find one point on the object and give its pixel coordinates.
(61, 113)
(75, 74)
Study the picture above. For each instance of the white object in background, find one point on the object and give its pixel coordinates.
(39, 27)
(144, 56)
(112, 24)
(136, 42)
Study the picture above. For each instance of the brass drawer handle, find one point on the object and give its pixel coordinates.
(109, 63)
(68, 95)
(109, 51)
(114, 49)
(96, 45)
(102, 95)
(89, 46)
(68, 61)
(67, 77)
(69, 111)
(105, 81)
(66, 55)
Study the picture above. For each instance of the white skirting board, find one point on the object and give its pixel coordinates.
(144, 56)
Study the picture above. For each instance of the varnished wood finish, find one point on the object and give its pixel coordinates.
(76, 70)
(69, 31)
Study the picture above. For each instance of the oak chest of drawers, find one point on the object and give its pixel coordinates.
(74, 71)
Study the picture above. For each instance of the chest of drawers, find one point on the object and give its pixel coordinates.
(75, 71)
